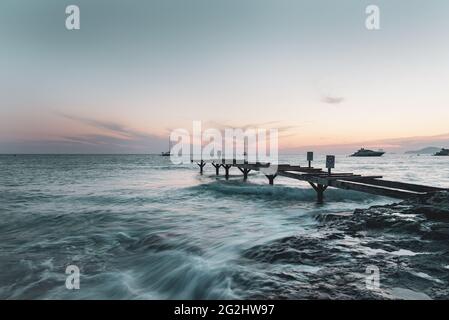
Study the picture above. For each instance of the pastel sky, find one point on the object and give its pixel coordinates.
(138, 69)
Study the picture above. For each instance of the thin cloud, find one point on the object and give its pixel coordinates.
(112, 127)
(332, 100)
(113, 138)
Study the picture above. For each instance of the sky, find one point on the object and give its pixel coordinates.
(138, 69)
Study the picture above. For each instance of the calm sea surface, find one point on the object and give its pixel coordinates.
(139, 227)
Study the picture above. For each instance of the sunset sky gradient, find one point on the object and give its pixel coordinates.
(138, 69)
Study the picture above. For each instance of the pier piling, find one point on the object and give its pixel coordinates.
(319, 188)
(245, 172)
(217, 168)
(227, 167)
(201, 165)
(271, 178)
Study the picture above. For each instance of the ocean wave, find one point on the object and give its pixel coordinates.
(276, 192)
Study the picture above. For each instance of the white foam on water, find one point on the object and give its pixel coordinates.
(407, 294)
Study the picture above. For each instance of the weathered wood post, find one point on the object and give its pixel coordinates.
(310, 158)
(320, 193)
(319, 188)
(217, 168)
(271, 178)
(201, 165)
(227, 167)
(330, 163)
(245, 172)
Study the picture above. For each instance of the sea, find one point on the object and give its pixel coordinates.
(140, 227)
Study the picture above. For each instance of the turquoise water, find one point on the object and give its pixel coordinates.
(139, 227)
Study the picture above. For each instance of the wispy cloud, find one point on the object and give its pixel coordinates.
(110, 127)
(109, 137)
(332, 99)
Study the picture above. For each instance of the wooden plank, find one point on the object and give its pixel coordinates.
(401, 185)
(251, 166)
(381, 191)
(306, 170)
(283, 167)
(355, 177)
(297, 176)
(337, 175)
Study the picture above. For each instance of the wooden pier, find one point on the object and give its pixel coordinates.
(320, 180)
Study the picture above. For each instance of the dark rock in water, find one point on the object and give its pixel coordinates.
(406, 241)
(286, 251)
(435, 206)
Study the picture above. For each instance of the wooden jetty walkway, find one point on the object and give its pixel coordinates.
(320, 180)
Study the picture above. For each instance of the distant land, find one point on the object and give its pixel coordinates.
(426, 150)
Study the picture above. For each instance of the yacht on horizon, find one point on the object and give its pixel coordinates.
(367, 153)
(167, 153)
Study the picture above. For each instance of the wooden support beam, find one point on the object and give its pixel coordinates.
(227, 167)
(201, 165)
(319, 188)
(313, 185)
(320, 193)
(245, 172)
(217, 168)
(271, 178)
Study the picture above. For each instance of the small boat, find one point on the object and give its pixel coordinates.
(166, 153)
(443, 152)
(367, 153)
